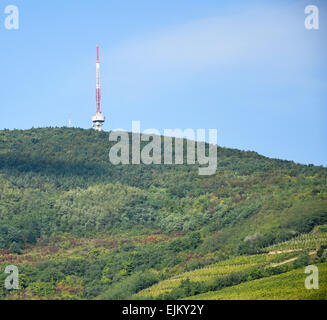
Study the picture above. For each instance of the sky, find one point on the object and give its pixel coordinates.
(249, 69)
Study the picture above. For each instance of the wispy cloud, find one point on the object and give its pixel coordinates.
(266, 37)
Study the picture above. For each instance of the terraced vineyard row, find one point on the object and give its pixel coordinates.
(305, 241)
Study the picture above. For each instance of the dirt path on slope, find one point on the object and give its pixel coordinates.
(311, 253)
(284, 251)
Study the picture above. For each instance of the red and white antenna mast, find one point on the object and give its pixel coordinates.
(98, 119)
(98, 86)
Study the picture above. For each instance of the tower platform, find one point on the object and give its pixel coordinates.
(98, 121)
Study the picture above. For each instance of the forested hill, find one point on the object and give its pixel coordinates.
(83, 154)
(58, 182)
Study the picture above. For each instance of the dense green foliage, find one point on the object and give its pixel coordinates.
(79, 227)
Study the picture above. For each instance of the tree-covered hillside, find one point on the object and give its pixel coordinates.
(79, 227)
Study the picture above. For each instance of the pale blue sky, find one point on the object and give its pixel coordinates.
(248, 68)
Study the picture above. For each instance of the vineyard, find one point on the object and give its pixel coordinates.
(287, 286)
(306, 241)
(212, 272)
